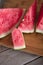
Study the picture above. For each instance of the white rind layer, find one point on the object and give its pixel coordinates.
(5, 34)
(19, 47)
(39, 31)
(27, 31)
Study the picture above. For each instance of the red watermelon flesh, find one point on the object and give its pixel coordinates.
(18, 39)
(8, 18)
(39, 27)
(27, 24)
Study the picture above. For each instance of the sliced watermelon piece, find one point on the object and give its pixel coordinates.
(18, 39)
(39, 27)
(9, 17)
(27, 24)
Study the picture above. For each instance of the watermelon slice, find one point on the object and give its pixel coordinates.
(9, 17)
(27, 24)
(18, 39)
(39, 27)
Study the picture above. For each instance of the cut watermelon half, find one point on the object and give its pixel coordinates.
(18, 39)
(39, 27)
(27, 24)
(9, 17)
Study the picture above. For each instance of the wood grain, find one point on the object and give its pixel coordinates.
(34, 42)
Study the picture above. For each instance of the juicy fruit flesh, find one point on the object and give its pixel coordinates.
(18, 39)
(40, 20)
(27, 24)
(40, 25)
(8, 18)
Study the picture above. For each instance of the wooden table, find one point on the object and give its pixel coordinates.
(11, 57)
(34, 42)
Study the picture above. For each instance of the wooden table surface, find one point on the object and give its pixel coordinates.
(34, 42)
(9, 56)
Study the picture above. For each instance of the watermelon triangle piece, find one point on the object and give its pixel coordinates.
(39, 27)
(9, 17)
(18, 39)
(27, 23)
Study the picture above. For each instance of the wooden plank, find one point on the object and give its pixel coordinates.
(2, 49)
(34, 42)
(38, 61)
(18, 3)
(11, 57)
(2, 3)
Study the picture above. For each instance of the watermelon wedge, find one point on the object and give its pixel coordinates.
(9, 17)
(39, 27)
(27, 23)
(18, 39)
